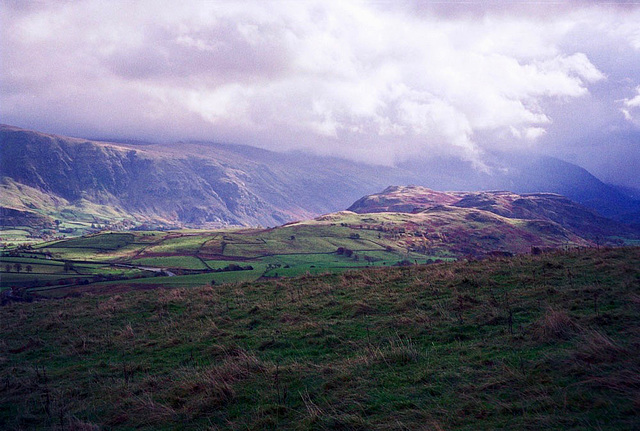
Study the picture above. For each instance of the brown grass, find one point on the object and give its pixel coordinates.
(153, 412)
(596, 346)
(554, 325)
(362, 308)
(76, 424)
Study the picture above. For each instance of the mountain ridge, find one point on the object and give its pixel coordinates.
(549, 207)
(197, 184)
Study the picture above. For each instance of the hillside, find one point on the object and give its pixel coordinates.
(332, 243)
(182, 184)
(527, 173)
(84, 182)
(543, 207)
(400, 226)
(532, 342)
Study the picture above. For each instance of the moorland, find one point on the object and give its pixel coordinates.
(549, 341)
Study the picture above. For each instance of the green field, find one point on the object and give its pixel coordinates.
(549, 342)
(201, 257)
(187, 262)
(332, 243)
(109, 241)
(10, 234)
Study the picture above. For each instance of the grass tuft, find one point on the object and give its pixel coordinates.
(554, 325)
(595, 347)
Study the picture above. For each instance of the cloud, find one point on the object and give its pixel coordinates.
(378, 82)
(631, 108)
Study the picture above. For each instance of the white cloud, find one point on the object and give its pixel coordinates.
(631, 108)
(345, 78)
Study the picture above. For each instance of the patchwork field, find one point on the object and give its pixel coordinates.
(194, 258)
(331, 243)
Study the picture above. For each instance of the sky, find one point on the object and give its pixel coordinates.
(373, 81)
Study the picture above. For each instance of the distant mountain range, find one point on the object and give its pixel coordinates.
(200, 184)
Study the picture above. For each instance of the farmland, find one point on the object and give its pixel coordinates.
(331, 243)
(193, 258)
(438, 226)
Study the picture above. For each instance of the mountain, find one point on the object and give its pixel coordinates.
(203, 184)
(184, 184)
(559, 213)
(527, 173)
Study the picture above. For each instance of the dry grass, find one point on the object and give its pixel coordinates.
(423, 347)
(362, 308)
(151, 412)
(554, 325)
(76, 424)
(595, 346)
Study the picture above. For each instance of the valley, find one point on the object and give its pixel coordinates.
(458, 310)
(150, 296)
(399, 226)
(317, 216)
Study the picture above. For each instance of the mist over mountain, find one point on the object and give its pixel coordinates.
(376, 82)
(200, 183)
(528, 173)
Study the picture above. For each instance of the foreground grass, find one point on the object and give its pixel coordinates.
(546, 342)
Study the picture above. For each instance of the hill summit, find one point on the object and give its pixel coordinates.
(544, 207)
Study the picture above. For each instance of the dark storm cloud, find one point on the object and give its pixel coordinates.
(374, 81)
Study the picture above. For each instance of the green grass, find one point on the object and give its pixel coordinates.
(108, 241)
(381, 239)
(40, 272)
(291, 250)
(189, 281)
(28, 279)
(180, 244)
(8, 234)
(545, 342)
(187, 262)
(27, 259)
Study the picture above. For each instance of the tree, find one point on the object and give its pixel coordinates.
(8, 267)
(29, 268)
(18, 267)
(68, 266)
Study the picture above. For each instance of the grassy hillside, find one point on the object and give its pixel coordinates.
(548, 207)
(531, 342)
(334, 242)
(193, 258)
